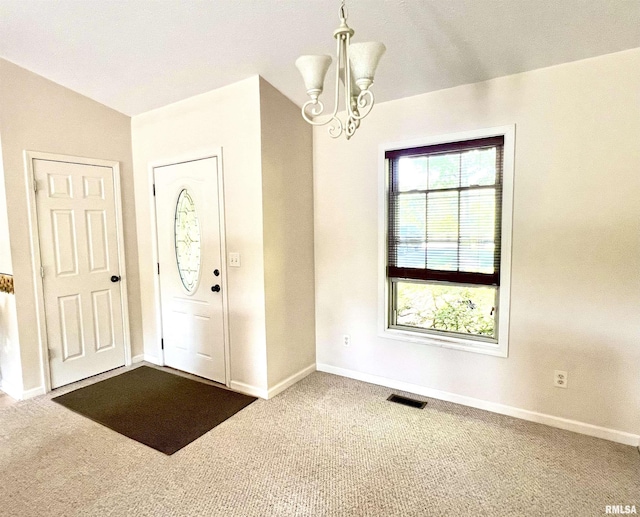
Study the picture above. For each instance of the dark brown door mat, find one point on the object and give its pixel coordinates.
(156, 408)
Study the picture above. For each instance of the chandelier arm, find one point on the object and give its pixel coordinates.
(352, 125)
(316, 110)
(348, 85)
(336, 130)
(336, 107)
(366, 100)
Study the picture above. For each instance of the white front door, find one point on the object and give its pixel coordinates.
(76, 208)
(189, 251)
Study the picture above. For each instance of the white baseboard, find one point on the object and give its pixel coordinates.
(19, 394)
(152, 359)
(254, 391)
(137, 358)
(524, 414)
(248, 389)
(15, 392)
(33, 392)
(290, 381)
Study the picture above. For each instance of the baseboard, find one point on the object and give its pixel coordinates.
(152, 359)
(33, 392)
(290, 381)
(137, 359)
(248, 389)
(18, 394)
(14, 392)
(524, 414)
(262, 393)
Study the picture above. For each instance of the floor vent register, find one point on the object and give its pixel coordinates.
(406, 401)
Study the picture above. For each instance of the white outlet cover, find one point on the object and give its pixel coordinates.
(234, 259)
(560, 379)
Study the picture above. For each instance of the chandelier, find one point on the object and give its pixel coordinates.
(355, 69)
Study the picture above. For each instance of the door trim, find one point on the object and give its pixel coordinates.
(34, 237)
(214, 152)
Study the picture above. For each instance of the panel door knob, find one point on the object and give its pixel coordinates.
(216, 272)
(115, 278)
(215, 288)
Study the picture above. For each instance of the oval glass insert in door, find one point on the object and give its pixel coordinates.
(187, 241)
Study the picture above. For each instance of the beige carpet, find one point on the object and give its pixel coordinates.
(326, 446)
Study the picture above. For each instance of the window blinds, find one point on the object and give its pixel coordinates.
(444, 214)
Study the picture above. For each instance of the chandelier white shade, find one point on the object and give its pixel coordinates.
(355, 70)
(364, 59)
(313, 70)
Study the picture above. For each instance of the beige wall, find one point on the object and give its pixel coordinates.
(228, 118)
(5, 251)
(575, 294)
(39, 115)
(10, 367)
(287, 200)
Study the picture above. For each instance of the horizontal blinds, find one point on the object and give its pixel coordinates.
(445, 212)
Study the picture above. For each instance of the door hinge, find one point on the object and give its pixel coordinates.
(41, 271)
(52, 354)
(162, 344)
(35, 185)
(158, 267)
(154, 189)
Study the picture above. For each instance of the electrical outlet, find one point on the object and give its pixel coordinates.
(346, 340)
(560, 379)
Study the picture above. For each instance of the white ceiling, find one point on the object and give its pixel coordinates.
(136, 55)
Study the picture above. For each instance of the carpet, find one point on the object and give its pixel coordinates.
(156, 408)
(328, 446)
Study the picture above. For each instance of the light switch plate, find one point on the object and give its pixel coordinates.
(234, 259)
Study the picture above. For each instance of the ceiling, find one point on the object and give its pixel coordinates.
(137, 55)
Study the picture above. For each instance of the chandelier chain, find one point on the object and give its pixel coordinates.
(343, 10)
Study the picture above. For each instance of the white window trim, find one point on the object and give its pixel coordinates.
(501, 348)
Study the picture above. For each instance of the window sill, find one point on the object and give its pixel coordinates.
(468, 345)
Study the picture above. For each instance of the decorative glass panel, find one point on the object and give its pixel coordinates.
(187, 239)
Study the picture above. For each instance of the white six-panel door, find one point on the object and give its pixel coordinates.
(190, 258)
(75, 205)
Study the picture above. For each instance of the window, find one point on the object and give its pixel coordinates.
(447, 227)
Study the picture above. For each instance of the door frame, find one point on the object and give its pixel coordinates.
(36, 261)
(213, 152)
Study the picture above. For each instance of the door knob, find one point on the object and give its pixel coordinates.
(215, 288)
(216, 272)
(115, 278)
